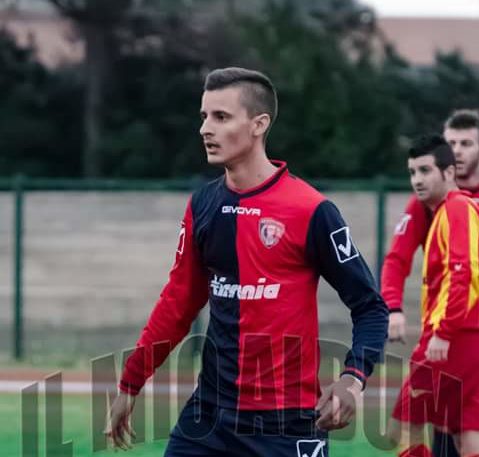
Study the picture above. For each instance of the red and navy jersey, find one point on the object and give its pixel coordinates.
(409, 234)
(257, 257)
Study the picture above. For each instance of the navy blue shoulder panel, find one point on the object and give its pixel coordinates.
(332, 252)
(215, 232)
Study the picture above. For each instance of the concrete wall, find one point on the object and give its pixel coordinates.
(96, 262)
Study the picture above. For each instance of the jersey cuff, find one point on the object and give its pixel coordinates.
(129, 388)
(395, 310)
(358, 374)
(443, 335)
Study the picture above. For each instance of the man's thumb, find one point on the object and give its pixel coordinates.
(325, 396)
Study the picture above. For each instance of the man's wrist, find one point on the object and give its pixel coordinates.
(356, 382)
(358, 375)
(395, 310)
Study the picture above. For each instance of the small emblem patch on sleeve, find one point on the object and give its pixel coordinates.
(181, 239)
(401, 226)
(343, 245)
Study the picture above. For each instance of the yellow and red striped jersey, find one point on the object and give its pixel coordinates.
(450, 290)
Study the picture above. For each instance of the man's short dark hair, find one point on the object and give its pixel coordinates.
(462, 119)
(258, 93)
(435, 145)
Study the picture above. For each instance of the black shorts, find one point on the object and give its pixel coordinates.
(207, 430)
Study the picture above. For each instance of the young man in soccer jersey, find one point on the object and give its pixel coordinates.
(461, 131)
(254, 243)
(442, 387)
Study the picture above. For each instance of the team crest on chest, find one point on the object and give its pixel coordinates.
(270, 231)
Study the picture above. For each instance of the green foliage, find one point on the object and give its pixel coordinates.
(349, 104)
(336, 117)
(38, 115)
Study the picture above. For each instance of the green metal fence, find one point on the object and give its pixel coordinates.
(20, 185)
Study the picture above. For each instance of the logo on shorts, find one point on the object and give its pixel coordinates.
(401, 226)
(343, 245)
(270, 231)
(310, 448)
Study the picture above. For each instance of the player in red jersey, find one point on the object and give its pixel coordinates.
(443, 387)
(254, 243)
(461, 131)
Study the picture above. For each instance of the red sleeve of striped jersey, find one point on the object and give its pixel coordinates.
(180, 301)
(452, 302)
(409, 234)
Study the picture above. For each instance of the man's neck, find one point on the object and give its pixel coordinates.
(250, 172)
(469, 183)
(434, 205)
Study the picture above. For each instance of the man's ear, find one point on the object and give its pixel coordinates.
(450, 173)
(261, 124)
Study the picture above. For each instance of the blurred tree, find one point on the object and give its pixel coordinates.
(427, 95)
(349, 104)
(39, 130)
(152, 121)
(98, 21)
(336, 117)
(114, 28)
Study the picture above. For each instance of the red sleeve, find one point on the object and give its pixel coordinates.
(452, 302)
(409, 234)
(180, 301)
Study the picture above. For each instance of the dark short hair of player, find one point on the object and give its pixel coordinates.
(258, 93)
(462, 119)
(435, 145)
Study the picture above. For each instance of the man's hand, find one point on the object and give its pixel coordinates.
(337, 404)
(437, 349)
(118, 427)
(397, 327)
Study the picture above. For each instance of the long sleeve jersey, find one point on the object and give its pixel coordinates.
(257, 257)
(410, 233)
(450, 290)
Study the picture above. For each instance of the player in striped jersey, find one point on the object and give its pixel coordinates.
(443, 387)
(461, 131)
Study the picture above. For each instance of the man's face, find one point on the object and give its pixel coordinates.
(465, 144)
(227, 130)
(427, 180)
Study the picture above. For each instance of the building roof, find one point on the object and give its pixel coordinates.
(54, 38)
(418, 39)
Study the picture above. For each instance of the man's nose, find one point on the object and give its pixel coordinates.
(205, 128)
(416, 179)
(457, 149)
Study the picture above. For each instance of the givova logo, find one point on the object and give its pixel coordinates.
(311, 448)
(241, 210)
(221, 288)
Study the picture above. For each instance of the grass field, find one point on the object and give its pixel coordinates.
(77, 427)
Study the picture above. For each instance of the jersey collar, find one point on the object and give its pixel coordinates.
(281, 172)
(455, 193)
